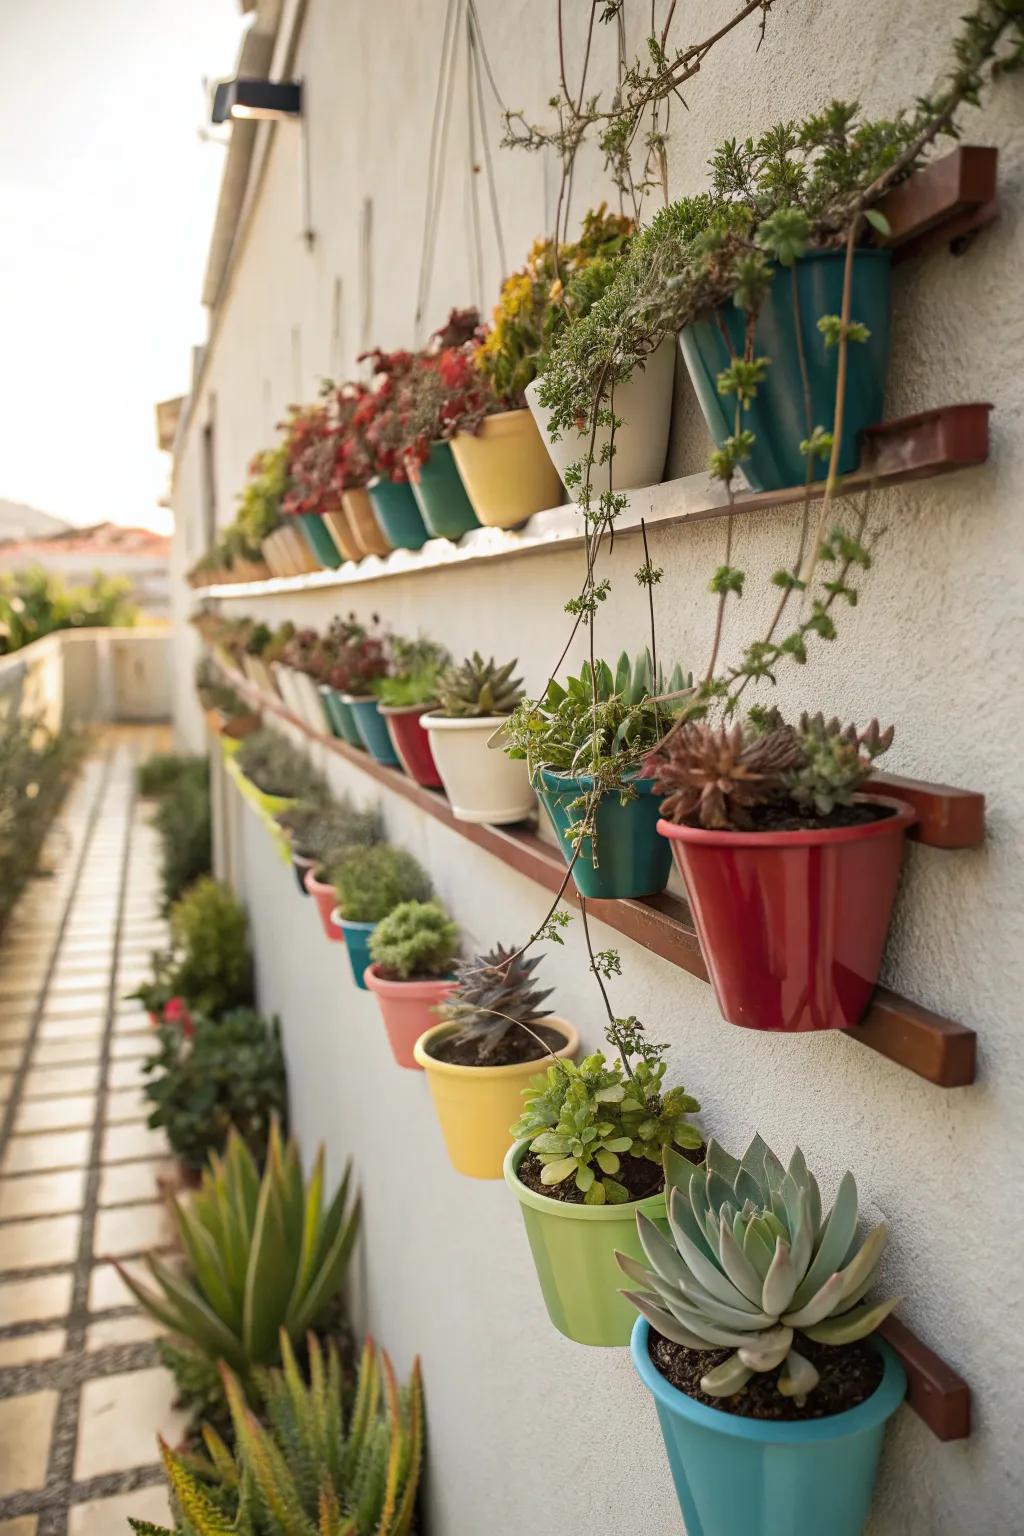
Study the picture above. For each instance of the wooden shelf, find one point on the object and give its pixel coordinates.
(937, 1394)
(939, 1050)
(944, 204)
(923, 446)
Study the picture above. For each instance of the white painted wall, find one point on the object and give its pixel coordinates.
(530, 1432)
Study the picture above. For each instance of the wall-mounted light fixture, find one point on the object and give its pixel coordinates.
(269, 100)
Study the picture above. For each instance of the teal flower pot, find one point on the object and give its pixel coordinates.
(321, 546)
(373, 730)
(340, 717)
(398, 516)
(632, 860)
(752, 1477)
(357, 942)
(441, 495)
(777, 417)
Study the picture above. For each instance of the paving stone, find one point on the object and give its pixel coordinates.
(63, 1053)
(34, 1301)
(125, 1104)
(133, 1229)
(25, 1426)
(75, 1007)
(89, 1028)
(36, 1244)
(126, 1074)
(122, 1143)
(70, 1114)
(128, 1183)
(45, 1082)
(6, 1079)
(32, 1154)
(28, 1348)
(15, 1031)
(119, 1419)
(134, 1047)
(104, 1517)
(25, 1525)
(42, 1194)
(136, 1329)
(10, 1058)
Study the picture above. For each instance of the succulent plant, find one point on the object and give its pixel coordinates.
(719, 775)
(325, 833)
(493, 993)
(753, 1263)
(277, 768)
(377, 881)
(837, 761)
(476, 688)
(416, 939)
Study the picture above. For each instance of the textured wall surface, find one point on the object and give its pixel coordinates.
(530, 1432)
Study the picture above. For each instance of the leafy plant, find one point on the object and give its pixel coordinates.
(270, 761)
(36, 765)
(35, 602)
(581, 1119)
(265, 1256)
(181, 784)
(164, 773)
(259, 511)
(440, 396)
(209, 963)
(476, 688)
(327, 833)
(375, 883)
(752, 1264)
(317, 1466)
(417, 939)
(229, 1075)
(413, 674)
(493, 994)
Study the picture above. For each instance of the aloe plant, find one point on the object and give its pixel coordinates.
(311, 1469)
(264, 1254)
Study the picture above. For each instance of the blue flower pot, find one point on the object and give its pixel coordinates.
(373, 730)
(632, 860)
(777, 416)
(441, 495)
(340, 717)
(357, 942)
(751, 1477)
(398, 516)
(321, 546)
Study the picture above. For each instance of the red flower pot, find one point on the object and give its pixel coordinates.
(792, 925)
(412, 743)
(407, 1009)
(326, 898)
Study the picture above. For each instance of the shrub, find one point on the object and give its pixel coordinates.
(416, 940)
(164, 773)
(34, 602)
(378, 881)
(35, 766)
(229, 1076)
(209, 963)
(184, 820)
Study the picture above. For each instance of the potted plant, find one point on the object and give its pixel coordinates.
(478, 1058)
(380, 419)
(790, 872)
(356, 675)
(755, 1340)
(345, 662)
(585, 761)
(311, 498)
(259, 511)
(338, 832)
(412, 951)
(255, 668)
(404, 696)
(272, 775)
(442, 394)
(297, 675)
(466, 729)
(208, 966)
(368, 887)
(353, 468)
(586, 1163)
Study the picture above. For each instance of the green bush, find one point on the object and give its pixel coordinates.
(34, 603)
(380, 879)
(35, 767)
(162, 774)
(328, 833)
(208, 964)
(228, 1075)
(415, 941)
(270, 761)
(184, 820)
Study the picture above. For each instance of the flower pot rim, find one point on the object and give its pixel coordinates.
(403, 709)
(372, 484)
(497, 423)
(359, 698)
(881, 1405)
(904, 815)
(349, 922)
(586, 780)
(313, 884)
(413, 989)
(651, 1205)
(433, 720)
(513, 1069)
(305, 859)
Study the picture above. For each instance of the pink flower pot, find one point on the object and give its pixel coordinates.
(326, 899)
(407, 1010)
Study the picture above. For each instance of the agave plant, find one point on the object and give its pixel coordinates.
(312, 1469)
(265, 1256)
(753, 1264)
(477, 688)
(494, 993)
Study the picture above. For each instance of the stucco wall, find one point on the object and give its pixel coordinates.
(527, 1430)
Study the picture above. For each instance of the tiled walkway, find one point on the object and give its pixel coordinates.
(82, 1395)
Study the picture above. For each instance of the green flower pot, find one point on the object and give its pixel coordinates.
(776, 416)
(441, 495)
(573, 1249)
(398, 516)
(340, 717)
(632, 862)
(321, 546)
(373, 729)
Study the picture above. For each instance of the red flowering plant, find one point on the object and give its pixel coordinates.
(355, 656)
(442, 395)
(311, 442)
(301, 650)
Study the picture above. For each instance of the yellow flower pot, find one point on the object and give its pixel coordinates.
(477, 1105)
(506, 470)
(363, 526)
(336, 524)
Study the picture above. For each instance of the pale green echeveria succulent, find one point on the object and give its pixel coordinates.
(753, 1263)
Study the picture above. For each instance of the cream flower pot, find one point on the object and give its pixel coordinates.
(481, 783)
(506, 470)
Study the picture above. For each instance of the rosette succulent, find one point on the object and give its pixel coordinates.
(477, 688)
(753, 1264)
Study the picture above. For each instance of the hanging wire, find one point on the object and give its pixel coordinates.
(474, 169)
(475, 49)
(437, 156)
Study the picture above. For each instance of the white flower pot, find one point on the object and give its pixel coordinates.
(301, 695)
(481, 783)
(644, 405)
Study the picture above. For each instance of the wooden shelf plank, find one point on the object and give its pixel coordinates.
(946, 202)
(939, 1050)
(937, 1394)
(928, 444)
(947, 817)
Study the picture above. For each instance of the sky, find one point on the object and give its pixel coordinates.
(107, 197)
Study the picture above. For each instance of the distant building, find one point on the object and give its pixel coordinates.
(18, 521)
(78, 553)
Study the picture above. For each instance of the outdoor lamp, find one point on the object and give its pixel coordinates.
(267, 99)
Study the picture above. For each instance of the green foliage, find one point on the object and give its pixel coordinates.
(198, 1384)
(164, 773)
(270, 761)
(415, 688)
(328, 832)
(313, 1462)
(228, 1076)
(752, 1263)
(35, 767)
(265, 1256)
(34, 603)
(581, 1119)
(416, 940)
(493, 993)
(259, 510)
(477, 688)
(183, 818)
(837, 761)
(375, 883)
(208, 963)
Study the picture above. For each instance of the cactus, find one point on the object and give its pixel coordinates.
(478, 688)
(492, 994)
(417, 939)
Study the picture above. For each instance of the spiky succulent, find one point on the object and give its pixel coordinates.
(719, 774)
(753, 1264)
(476, 688)
(493, 993)
(838, 759)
